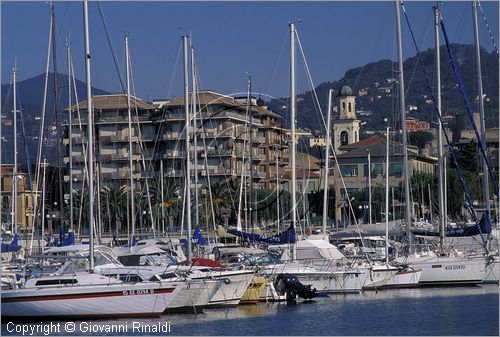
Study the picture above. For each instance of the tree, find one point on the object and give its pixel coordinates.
(114, 199)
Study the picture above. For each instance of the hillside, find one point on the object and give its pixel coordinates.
(30, 100)
(376, 88)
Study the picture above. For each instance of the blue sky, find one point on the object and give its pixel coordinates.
(230, 39)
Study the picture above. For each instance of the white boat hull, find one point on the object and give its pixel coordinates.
(404, 279)
(379, 276)
(492, 271)
(449, 270)
(234, 285)
(146, 299)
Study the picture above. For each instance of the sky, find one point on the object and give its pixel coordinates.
(230, 39)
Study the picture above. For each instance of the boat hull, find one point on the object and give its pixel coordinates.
(449, 270)
(93, 301)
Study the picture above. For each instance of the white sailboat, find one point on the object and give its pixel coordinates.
(86, 294)
(447, 267)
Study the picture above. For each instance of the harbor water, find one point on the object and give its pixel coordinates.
(461, 311)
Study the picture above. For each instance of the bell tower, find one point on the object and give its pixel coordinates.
(346, 126)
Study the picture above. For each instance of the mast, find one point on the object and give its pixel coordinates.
(58, 124)
(14, 171)
(130, 153)
(162, 199)
(43, 199)
(441, 191)
(70, 141)
(327, 165)
(195, 139)
(251, 199)
(369, 188)
(406, 184)
(90, 136)
(188, 166)
(277, 193)
(387, 198)
(486, 187)
(292, 121)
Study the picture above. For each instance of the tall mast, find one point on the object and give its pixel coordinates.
(486, 187)
(369, 188)
(292, 121)
(252, 202)
(441, 191)
(90, 136)
(387, 198)
(188, 166)
(327, 164)
(70, 112)
(58, 124)
(14, 171)
(162, 199)
(403, 124)
(277, 193)
(195, 139)
(130, 153)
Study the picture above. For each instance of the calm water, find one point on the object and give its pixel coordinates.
(433, 311)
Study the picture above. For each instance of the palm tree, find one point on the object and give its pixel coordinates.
(114, 199)
(172, 204)
(224, 196)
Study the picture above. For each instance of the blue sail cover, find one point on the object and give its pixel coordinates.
(198, 238)
(11, 247)
(65, 240)
(470, 230)
(282, 238)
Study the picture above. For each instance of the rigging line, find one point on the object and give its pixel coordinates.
(465, 99)
(317, 107)
(331, 145)
(42, 122)
(101, 13)
(202, 126)
(84, 147)
(23, 130)
(424, 36)
(450, 147)
(275, 66)
(141, 144)
(375, 44)
(492, 38)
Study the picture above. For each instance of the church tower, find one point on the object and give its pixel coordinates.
(345, 125)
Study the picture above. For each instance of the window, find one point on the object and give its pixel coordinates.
(343, 106)
(344, 138)
(376, 170)
(349, 170)
(349, 106)
(395, 169)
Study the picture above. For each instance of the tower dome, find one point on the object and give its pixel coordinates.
(345, 91)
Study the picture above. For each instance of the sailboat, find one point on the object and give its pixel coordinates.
(445, 267)
(85, 293)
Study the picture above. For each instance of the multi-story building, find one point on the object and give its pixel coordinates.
(223, 139)
(224, 132)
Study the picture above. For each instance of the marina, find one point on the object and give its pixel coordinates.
(394, 312)
(207, 213)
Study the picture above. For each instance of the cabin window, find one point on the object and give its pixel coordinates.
(56, 282)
